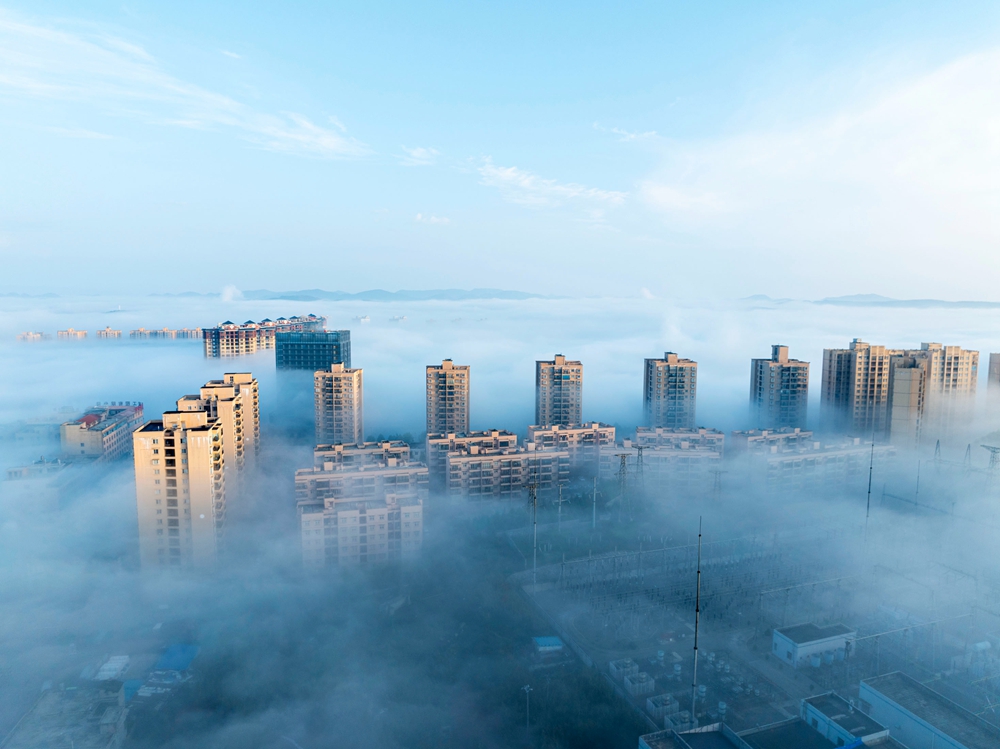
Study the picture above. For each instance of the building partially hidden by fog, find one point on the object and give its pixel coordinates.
(448, 403)
(583, 443)
(187, 464)
(558, 392)
(439, 445)
(898, 394)
(671, 458)
(669, 391)
(312, 349)
(360, 504)
(779, 390)
(503, 473)
(101, 433)
(234, 339)
(339, 405)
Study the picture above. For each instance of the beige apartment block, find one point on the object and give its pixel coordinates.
(339, 401)
(504, 473)
(362, 510)
(855, 389)
(448, 398)
(820, 465)
(583, 443)
(439, 445)
(102, 433)
(558, 392)
(232, 339)
(669, 391)
(32, 336)
(772, 441)
(235, 402)
(779, 390)
(109, 333)
(694, 438)
(180, 487)
(71, 334)
(330, 457)
(663, 467)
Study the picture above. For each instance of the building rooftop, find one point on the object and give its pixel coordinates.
(841, 712)
(936, 709)
(664, 740)
(707, 740)
(803, 633)
(790, 734)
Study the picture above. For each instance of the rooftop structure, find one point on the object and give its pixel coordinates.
(233, 339)
(670, 390)
(789, 734)
(807, 644)
(838, 720)
(329, 457)
(921, 718)
(101, 433)
(312, 350)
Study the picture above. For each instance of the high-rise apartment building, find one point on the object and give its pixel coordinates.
(779, 390)
(312, 349)
(858, 387)
(448, 398)
(669, 392)
(558, 392)
(339, 401)
(180, 487)
(360, 504)
(102, 433)
(993, 375)
(235, 402)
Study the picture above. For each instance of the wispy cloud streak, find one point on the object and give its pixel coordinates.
(122, 78)
(523, 187)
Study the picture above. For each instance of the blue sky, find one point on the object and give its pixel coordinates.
(790, 149)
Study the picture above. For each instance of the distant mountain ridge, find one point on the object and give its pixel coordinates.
(373, 295)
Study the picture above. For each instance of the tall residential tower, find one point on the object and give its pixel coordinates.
(448, 398)
(779, 390)
(339, 405)
(669, 391)
(558, 392)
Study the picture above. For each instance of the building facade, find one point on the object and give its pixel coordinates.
(504, 473)
(779, 390)
(669, 391)
(180, 486)
(558, 392)
(695, 438)
(682, 466)
(365, 509)
(339, 405)
(102, 433)
(232, 339)
(583, 443)
(312, 350)
(235, 402)
(439, 445)
(448, 398)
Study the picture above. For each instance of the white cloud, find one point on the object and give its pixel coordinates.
(123, 79)
(525, 188)
(227, 53)
(625, 135)
(419, 156)
(422, 219)
(69, 132)
(898, 184)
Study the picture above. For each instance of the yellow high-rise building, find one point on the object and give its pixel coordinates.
(235, 401)
(180, 489)
(339, 403)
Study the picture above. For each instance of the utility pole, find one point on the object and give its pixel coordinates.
(527, 708)
(533, 494)
(560, 500)
(697, 616)
(593, 520)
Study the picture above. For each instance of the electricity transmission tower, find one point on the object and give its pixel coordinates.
(623, 484)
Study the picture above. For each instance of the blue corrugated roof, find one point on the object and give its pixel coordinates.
(176, 658)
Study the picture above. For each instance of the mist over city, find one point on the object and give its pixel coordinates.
(510, 376)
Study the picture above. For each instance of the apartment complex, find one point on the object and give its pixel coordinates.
(583, 443)
(109, 333)
(670, 389)
(180, 487)
(71, 334)
(448, 398)
(312, 350)
(779, 390)
(366, 508)
(693, 438)
(101, 433)
(558, 392)
(339, 405)
(166, 333)
(684, 464)
(504, 473)
(235, 402)
(232, 339)
(761, 441)
(935, 384)
(439, 445)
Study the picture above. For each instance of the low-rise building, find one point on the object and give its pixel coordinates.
(840, 721)
(439, 445)
(71, 334)
(109, 333)
(681, 438)
(101, 433)
(805, 645)
(760, 441)
(921, 718)
(362, 511)
(827, 465)
(502, 473)
(583, 442)
(32, 336)
(84, 716)
(682, 466)
(331, 457)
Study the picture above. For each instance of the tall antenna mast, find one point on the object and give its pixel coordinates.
(871, 468)
(533, 494)
(697, 617)
(593, 520)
